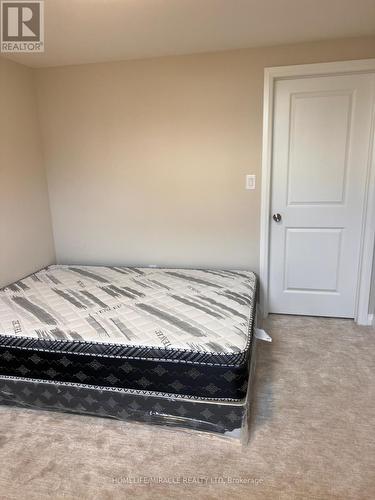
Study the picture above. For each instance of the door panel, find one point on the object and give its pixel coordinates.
(317, 166)
(321, 140)
(305, 269)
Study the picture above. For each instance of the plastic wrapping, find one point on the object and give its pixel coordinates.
(120, 404)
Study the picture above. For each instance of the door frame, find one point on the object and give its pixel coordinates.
(271, 75)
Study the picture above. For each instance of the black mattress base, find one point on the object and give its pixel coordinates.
(203, 415)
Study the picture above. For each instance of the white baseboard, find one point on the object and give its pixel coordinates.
(366, 320)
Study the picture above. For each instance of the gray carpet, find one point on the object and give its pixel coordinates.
(312, 434)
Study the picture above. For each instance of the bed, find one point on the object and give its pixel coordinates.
(165, 345)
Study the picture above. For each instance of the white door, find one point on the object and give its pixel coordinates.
(321, 140)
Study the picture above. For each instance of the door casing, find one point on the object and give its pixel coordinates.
(271, 75)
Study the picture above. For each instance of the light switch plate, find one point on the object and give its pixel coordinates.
(250, 182)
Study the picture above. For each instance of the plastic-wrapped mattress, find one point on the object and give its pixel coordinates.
(127, 335)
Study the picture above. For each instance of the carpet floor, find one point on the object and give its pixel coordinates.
(312, 434)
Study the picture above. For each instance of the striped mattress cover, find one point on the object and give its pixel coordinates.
(172, 331)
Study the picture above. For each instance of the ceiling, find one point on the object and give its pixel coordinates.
(87, 31)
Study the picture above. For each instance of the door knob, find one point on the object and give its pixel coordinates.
(276, 217)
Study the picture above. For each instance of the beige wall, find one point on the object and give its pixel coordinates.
(147, 159)
(26, 242)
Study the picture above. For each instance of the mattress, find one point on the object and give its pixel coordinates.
(181, 332)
